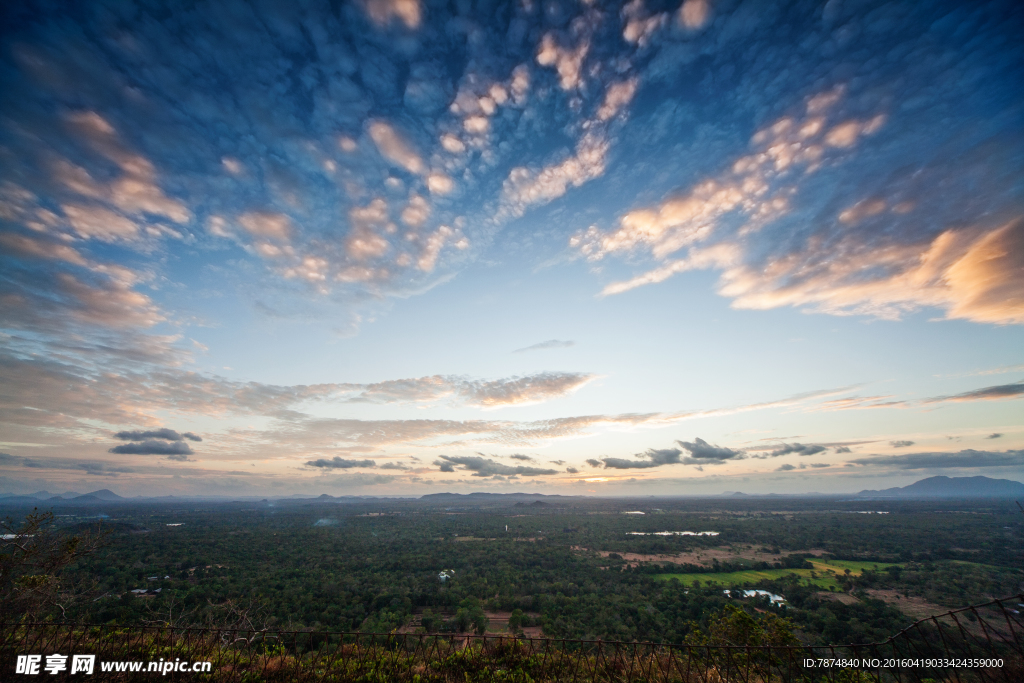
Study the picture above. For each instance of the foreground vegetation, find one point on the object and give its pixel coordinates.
(736, 646)
(562, 569)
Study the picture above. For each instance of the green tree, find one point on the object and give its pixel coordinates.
(515, 621)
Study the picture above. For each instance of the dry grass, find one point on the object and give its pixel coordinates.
(913, 607)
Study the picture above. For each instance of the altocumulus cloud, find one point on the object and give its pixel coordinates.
(485, 467)
(859, 165)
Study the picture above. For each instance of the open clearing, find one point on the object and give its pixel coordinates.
(824, 574)
(913, 606)
(705, 557)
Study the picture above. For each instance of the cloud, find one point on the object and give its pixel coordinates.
(274, 226)
(861, 403)
(593, 462)
(843, 449)
(135, 192)
(549, 344)
(701, 450)
(986, 394)
(901, 444)
(900, 251)
(50, 393)
(34, 247)
(394, 147)
(525, 187)
(439, 183)
(434, 242)
(994, 435)
(572, 470)
(701, 453)
(968, 458)
(102, 469)
(480, 393)
(800, 449)
(338, 463)
(998, 392)
(485, 467)
(520, 456)
(785, 468)
(568, 61)
(789, 146)
(649, 459)
(525, 390)
(991, 371)
(968, 272)
(616, 97)
(153, 447)
(984, 283)
(162, 433)
(693, 14)
(639, 28)
(382, 12)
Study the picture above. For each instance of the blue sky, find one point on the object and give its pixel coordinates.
(395, 247)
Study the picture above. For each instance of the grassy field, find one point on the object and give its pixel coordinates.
(823, 575)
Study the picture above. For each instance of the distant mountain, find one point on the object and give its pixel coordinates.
(103, 494)
(46, 495)
(20, 500)
(953, 487)
(481, 497)
(87, 498)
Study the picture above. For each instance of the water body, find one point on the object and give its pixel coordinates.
(772, 597)
(673, 533)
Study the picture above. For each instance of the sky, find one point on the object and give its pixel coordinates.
(397, 247)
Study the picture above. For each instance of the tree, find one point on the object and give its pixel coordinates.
(33, 557)
(515, 621)
(734, 626)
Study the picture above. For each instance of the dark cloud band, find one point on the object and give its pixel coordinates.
(965, 458)
(337, 463)
(986, 394)
(485, 467)
(153, 447)
(162, 433)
